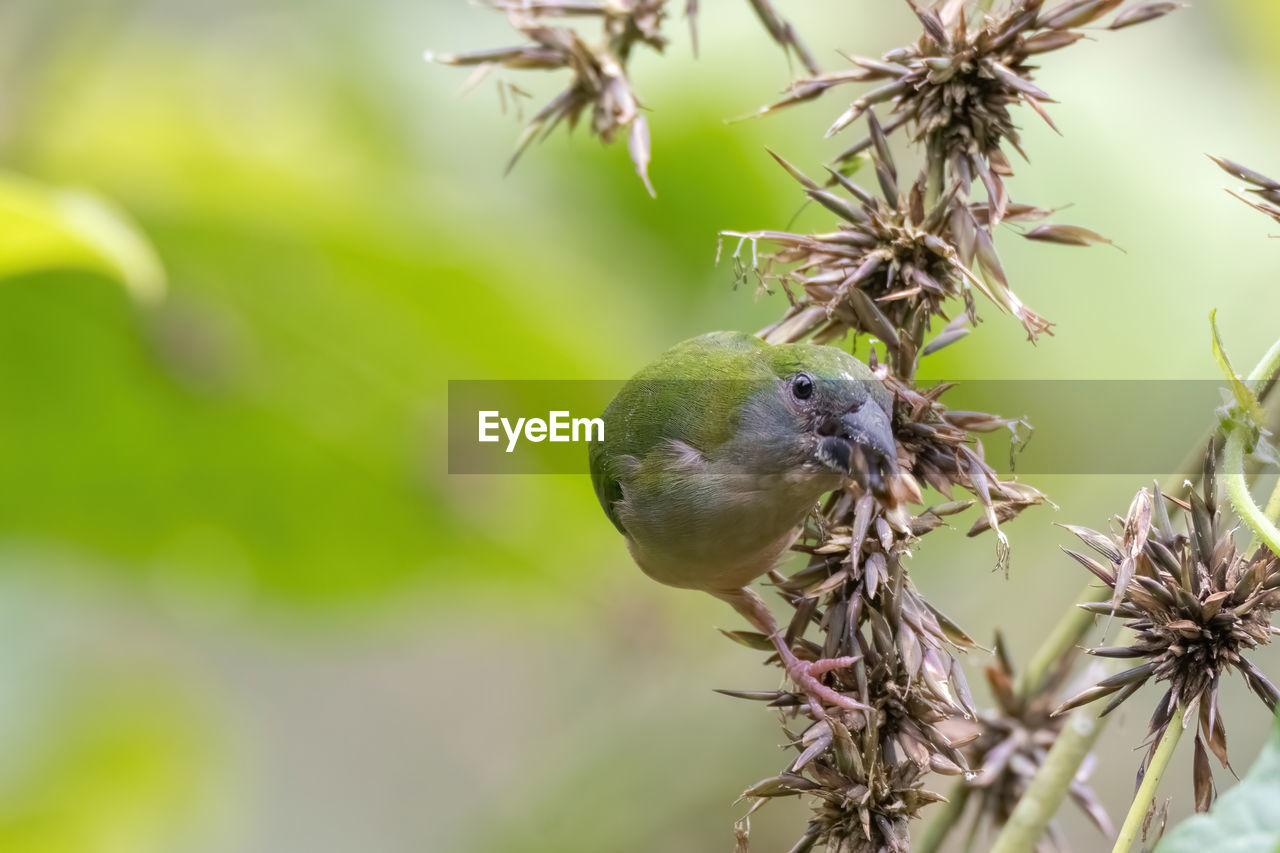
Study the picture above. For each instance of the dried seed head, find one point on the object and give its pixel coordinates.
(599, 85)
(891, 267)
(1195, 604)
(955, 87)
(1260, 186)
(1013, 740)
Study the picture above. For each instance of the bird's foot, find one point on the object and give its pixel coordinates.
(807, 674)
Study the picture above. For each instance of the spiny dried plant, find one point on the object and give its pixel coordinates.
(1260, 186)
(1195, 603)
(866, 769)
(599, 83)
(894, 263)
(600, 78)
(953, 89)
(1012, 741)
(856, 591)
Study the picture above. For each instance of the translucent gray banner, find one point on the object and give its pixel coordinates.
(1134, 427)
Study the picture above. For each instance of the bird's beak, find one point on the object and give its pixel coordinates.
(861, 446)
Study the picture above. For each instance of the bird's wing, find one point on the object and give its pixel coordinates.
(664, 404)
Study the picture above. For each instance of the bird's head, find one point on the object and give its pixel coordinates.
(835, 413)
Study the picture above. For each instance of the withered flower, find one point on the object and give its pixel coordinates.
(891, 266)
(955, 86)
(865, 769)
(1013, 741)
(1260, 186)
(600, 82)
(1195, 604)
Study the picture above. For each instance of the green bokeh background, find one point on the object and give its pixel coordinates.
(243, 607)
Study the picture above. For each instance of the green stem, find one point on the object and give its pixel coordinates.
(1266, 368)
(1150, 782)
(1049, 787)
(1264, 529)
(1272, 512)
(939, 829)
(1238, 490)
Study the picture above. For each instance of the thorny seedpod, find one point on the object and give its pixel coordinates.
(1012, 742)
(893, 264)
(1195, 605)
(600, 83)
(864, 768)
(863, 803)
(1260, 186)
(954, 88)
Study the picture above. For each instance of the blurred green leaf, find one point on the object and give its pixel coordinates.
(126, 767)
(48, 228)
(1244, 820)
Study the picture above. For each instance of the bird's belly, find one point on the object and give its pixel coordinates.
(713, 544)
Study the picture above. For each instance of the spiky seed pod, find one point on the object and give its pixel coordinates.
(1260, 186)
(863, 798)
(893, 264)
(1195, 604)
(856, 590)
(1012, 742)
(600, 83)
(954, 88)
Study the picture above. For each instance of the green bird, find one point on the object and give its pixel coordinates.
(713, 455)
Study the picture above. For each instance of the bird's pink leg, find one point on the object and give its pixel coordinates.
(804, 673)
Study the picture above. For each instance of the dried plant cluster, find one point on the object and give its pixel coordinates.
(600, 81)
(1264, 193)
(953, 89)
(1013, 740)
(894, 264)
(900, 261)
(1195, 604)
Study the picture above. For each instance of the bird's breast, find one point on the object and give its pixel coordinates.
(716, 529)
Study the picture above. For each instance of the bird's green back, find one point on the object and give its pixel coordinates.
(693, 394)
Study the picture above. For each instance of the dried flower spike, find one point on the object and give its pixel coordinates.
(1195, 605)
(892, 264)
(1261, 186)
(600, 83)
(956, 85)
(1013, 741)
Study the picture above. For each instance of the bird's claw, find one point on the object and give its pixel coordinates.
(806, 675)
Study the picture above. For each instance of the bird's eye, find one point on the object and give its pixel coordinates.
(802, 386)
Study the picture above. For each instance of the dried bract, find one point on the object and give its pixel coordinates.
(1260, 187)
(891, 266)
(1195, 604)
(1013, 741)
(600, 83)
(955, 87)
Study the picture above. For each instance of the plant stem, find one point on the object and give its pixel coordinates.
(1238, 490)
(1272, 512)
(1261, 522)
(940, 828)
(1049, 787)
(1150, 782)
